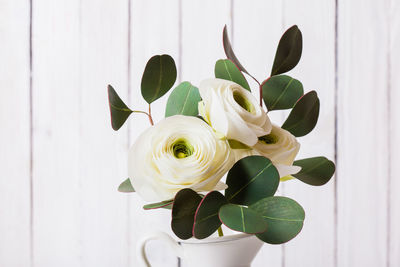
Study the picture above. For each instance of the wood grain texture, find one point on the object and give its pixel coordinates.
(257, 28)
(56, 90)
(14, 134)
(102, 158)
(394, 135)
(154, 30)
(202, 25)
(315, 245)
(362, 133)
(79, 218)
(79, 47)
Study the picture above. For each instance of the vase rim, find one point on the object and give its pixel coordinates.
(217, 239)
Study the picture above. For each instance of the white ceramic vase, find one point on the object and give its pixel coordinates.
(228, 251)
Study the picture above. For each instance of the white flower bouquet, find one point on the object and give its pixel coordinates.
(221, 129)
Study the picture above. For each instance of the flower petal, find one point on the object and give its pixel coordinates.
(285, 170)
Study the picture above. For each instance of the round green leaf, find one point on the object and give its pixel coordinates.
(227, 70)
(183, 210)
(166, 204)
(304, 116)
(242, 219)
(126, 186)
(289, 51)
(284, 218)
(206, 220)
(315, 171)
(183, 100)
(251, 179)
(281, 92)
(119, 111)
(158, 77)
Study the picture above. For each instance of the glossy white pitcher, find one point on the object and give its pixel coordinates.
(228, 251)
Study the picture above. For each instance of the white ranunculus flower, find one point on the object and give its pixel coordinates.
(178, 152)
(280, 146)
(233, 111)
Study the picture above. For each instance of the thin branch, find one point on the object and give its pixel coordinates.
(144, 112)
(150, 117)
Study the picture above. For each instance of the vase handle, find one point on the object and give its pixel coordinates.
(141, 251)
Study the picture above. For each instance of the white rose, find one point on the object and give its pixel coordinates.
(233, 111)
(178, 152)
(280, 146)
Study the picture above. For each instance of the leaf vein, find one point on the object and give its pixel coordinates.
(244, 227)
(121, 109)
(159, 82)
(186, 99)
(282, 219)
(315, 167)
(252, 180)
(227, 70)
(206, 218)
(302, 118)
(287, 56)
(281, 95)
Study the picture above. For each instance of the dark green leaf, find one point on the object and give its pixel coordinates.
(126, 186)
(167, 204)
(315, 171)
(289, 51)
(281, 92)
(284, 218)
(227, 70)
(229, 51)
(183, 210)
(183, 100)
(242, 219)
(158, 77)
(304, 116)
(206, 220)
(251, 179)
(119, 111)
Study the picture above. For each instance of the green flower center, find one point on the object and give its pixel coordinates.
(268, 139)
(243, 102)
(182, 149)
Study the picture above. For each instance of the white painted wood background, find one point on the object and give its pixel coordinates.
(60, 162)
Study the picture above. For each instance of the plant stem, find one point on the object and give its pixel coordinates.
(261, 90)
(254, 79)
(150, 117)
(144, 112)
(139, 111)
(220, 233)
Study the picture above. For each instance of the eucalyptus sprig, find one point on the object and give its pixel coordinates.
(287, 56)
(249, 203)
(248, 206)
(158, 77)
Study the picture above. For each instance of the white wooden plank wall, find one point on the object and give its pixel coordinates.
(15, 204)
(393, 56)
(363, 134)
(56, 90)
(61, 162)
(78, 47)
